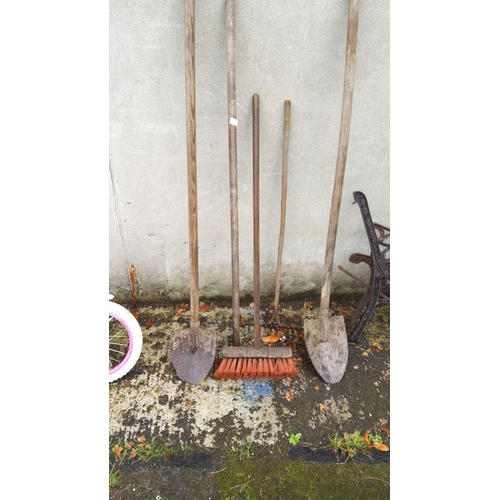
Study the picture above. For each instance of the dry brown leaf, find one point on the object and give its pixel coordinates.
(384, 429)
(380, 446)
(204, 309)
(141, 439)
(126, 383)
(288, 396)
(378, 346)
(366, 438)
(322, 407)
(118, 450)
(149, 323)
(179, 314)
(270, 339)
(136, 315)
(133, 454)
(188, 402)
(342, 311)
(316, 387)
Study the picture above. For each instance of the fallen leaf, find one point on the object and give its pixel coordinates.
(316, 387)
(205, 309)
(378, 346)
(149, 323)
(270, 339)
(384, 429)
(136, 315)
(188, 402)
(133, 454)
(288, 396)
(308, 305)
(366, 438)
(179, 314)
(375, 384)
(241, 319)
(141, 439)
(126, 383)
(343, 311)
(380, 446)
(322, 407)
(118, 450)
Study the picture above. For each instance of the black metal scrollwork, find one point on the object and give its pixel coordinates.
(379, 263)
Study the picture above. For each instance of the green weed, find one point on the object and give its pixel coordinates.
(293, 439)
(115, 478)
(154, 449)
(351, 443)
(244, 452)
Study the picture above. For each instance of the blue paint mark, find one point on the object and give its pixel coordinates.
(253, 389)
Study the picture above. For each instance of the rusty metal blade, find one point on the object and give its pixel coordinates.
(326, 343)
(193, 364)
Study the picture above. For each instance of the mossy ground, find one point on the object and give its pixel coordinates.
(230, 470)
(233, 477)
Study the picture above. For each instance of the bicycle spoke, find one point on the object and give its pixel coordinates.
(118, 342)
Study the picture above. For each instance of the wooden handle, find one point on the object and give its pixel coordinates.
(233, 173)
(345, 125)
(257, 342)
(189, 54)
(284, 177)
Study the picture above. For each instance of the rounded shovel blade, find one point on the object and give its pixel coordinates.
(329, 356)
(193, 366)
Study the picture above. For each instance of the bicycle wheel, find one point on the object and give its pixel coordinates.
(125, 341)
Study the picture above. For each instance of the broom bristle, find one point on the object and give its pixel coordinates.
(245, 368)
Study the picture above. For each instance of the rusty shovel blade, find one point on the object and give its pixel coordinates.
(193, 364)
(326, 343)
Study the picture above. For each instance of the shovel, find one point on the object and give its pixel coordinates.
(192, 353)
(326, 338)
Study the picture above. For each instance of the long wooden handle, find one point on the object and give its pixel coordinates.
(257, 341)
(345, 125)
(233, 173)
(189, 54)
(284, 178)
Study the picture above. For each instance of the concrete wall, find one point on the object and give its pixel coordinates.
(291, 49)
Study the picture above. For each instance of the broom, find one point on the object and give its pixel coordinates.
(244, 362)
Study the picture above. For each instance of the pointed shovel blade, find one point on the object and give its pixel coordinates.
(193, 366)
(329, 356)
